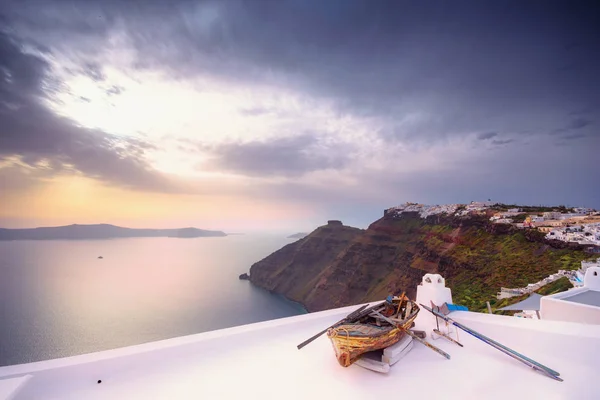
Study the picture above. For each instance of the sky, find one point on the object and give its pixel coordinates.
(280, 115)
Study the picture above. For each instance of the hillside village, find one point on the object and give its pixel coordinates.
(573, 225)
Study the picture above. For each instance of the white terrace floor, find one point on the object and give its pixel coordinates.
(260, 361)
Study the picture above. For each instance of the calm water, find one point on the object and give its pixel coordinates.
(58, 299)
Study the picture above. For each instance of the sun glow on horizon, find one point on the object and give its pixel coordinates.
(76, 199)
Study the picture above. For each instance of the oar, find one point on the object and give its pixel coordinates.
(442, 334)
(349, 316)
(544, 371)
(506, 350)
(411, 334)
(400, 304)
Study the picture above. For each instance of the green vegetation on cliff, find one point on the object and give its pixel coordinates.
(559, 285)
(482, 262)
(338, 265)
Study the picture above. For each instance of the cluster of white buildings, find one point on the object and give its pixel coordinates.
(583, 234)
(557, 225)
(450, 209)
(506, 216)
(579, 226)
(547, 219)
(424, 210)
(475, 206)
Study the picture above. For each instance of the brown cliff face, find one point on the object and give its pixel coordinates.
(338, 265)
(296, 270)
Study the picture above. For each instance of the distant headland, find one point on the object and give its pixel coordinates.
(481, 248)
(101, 231)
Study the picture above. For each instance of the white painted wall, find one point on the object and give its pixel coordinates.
(555, 308)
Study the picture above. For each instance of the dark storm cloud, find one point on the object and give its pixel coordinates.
(469, 66)
(292, 156)
(579, 123)
(433, 70)
(500, 142)
(36, 136)
(498, 182)
(486, 135)
(464, 66)
(574, 125)
(574, 136)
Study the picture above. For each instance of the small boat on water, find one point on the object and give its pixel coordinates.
(370, 332)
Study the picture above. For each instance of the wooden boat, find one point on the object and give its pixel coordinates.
(352, 339)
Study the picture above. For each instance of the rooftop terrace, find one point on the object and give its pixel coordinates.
(260, 361)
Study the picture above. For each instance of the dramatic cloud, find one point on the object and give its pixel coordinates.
(575, 124)
(579, 123)
(291, 156)
(457, 66)
(359, 102)
(486, 135)
(33, 134)
(94, 71)
(574, 136)
(501, 142)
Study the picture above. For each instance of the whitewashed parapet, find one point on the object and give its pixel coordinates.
(564, 306)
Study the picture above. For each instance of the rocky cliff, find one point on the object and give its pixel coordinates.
(337, 265)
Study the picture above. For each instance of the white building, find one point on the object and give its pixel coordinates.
(552, 215)
(550, 222)
(481, 204)
(587, 264)
(571, 215)
(423, 210)
(588, 234)
(580, 305)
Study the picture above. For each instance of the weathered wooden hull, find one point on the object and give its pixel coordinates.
(350, 341)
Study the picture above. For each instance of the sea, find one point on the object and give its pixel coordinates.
(59, 299)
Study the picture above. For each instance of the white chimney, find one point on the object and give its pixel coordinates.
(432, 289)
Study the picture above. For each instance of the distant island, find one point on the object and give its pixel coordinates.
(298, 235)
(100, 231)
